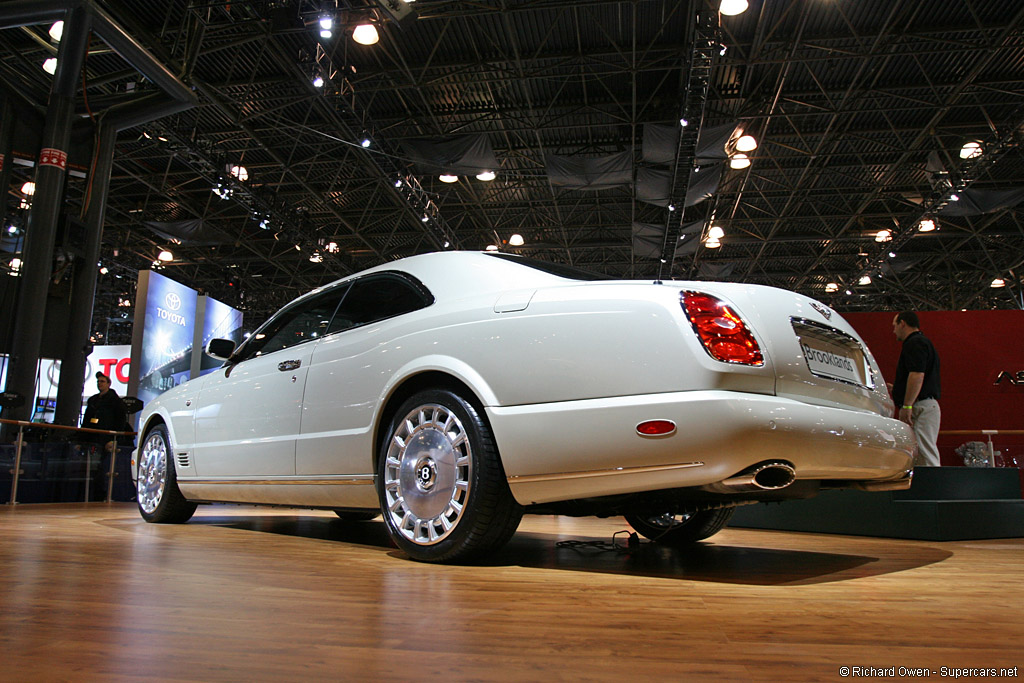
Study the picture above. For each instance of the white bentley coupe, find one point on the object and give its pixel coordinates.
(452, 392)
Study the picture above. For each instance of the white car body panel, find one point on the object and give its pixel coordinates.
(564, 371)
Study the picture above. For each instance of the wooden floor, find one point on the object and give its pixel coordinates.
(91, 592)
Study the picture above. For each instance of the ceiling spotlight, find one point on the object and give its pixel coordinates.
(516, 240)
(864, 280)
(739, 161)
(716, 233)
(240, 172)
(365, 142)
(56, 31)
(15, 266)
(318, 81)
(486, 176)
(50, 65)
(425, 218)
(712, 243)
(28, 189)
(492, 247)
(448, 178)
(365, 34)
(832, 287)
(332, 248)
(722, 51)
(954, 197)
(997, 283)
(731, 8)
(849, 292)
(926, 225)
(892, 254)
(971, 150)
(746, 143)
(398, 183)
(326, 23)
(104, 270)
(684, 123)
(883, 236)
(316, 257)
(265, 223)
(326, 33)
(165, 256)
(671, 207)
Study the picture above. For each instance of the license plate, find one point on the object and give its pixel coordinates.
(828, 360)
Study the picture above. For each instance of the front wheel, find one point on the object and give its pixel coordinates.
(159, 499)
(680, 529)
(443, 492)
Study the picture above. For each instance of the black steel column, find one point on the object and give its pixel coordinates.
(83, 286)
(6, 143)
(37, 256)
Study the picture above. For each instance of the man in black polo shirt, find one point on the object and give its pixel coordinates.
(916, 388)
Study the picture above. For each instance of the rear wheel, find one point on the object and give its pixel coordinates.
(680, 529)
(443, 492)
(157, 486)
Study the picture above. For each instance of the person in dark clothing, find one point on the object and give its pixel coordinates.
(916, 388)
(104, 410)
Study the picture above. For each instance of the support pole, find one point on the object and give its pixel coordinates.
(37, 257)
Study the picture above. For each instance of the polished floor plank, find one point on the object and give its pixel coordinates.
(91, 592)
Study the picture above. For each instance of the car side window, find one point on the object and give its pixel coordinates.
(305, 322)
(378, 297)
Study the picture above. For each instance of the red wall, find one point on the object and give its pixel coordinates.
(973, 347)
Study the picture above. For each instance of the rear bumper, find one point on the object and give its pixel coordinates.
(581, 449)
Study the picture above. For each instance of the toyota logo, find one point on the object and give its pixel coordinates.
(172, 301)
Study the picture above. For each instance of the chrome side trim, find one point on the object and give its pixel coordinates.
(354, 480)
(531, 478)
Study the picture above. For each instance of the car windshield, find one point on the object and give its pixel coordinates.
(557, 269)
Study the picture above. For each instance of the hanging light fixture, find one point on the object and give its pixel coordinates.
(486, 176)
(746, 143)
(971, 150)
(448, 178)
(318, 81)
(926, 225)
(50, 65)
(326, 27)
(712, 243)
(28, 189)
(492, 247)
(731, 8)
(56, 31)
(365, 34)
(240, 172)
(15, 266)
(516, 240)
(716, 233)
(883, 236)
(832, 287)
(738, 161)
(997, 283)
(864, 280)
(165, 256)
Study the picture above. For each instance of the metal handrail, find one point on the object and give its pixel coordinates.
(984, 432)
(21, 424)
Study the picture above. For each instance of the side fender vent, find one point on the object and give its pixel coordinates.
(184, 461)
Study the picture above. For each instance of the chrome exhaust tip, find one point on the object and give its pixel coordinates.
(766, 476)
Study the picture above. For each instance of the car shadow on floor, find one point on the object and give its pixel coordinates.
(713, 560)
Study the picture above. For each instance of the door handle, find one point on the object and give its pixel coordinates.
(288, 365)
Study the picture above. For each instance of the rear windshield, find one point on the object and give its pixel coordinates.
(556, 269)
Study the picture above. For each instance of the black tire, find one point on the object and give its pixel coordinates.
(159, 499)
(443, 492)
(680, 529)
(356, 515)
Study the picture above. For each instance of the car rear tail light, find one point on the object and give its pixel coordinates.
(724, 334)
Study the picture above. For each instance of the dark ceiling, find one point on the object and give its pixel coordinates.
(847, 99)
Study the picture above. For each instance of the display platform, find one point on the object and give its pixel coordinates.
(943, 504)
